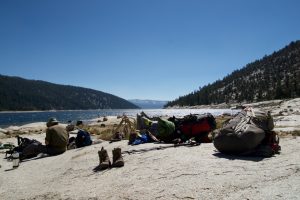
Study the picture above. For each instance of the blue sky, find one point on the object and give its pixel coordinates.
(145, 49)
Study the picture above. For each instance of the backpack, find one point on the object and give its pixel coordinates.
(24, 142)
(27, 147)
(83, 139)
(194, 124)
(165, 129)
(247, 133)
(143, 122)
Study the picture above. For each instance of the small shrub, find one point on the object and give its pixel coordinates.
(106, 134)
(295, 133)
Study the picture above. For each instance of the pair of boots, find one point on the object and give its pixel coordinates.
(104, 159)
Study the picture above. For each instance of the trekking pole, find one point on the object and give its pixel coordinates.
(160, 148)
(19, 140)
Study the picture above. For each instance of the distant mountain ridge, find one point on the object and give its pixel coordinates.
(23, 94)
(276, 76)
(148, 104)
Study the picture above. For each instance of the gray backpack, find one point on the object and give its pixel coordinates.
(244, 132)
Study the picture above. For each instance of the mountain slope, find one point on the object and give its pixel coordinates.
(22, 94)
(276, 76)
(148, 104)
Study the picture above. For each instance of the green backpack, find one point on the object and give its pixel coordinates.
(165, 129)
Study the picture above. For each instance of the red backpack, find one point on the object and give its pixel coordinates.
(195, 125)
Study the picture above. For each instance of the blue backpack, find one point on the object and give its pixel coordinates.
(83, 139)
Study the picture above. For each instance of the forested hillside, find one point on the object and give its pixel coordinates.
(276, 76)
(21, 94)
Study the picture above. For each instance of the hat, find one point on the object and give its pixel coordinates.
(52, 121)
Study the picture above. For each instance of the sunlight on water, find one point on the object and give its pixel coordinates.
(21, 118)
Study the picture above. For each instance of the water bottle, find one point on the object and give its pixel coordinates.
(16, 159)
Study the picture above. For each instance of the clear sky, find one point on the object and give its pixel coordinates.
(145, 49)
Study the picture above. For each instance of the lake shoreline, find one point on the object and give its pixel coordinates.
(286, 115)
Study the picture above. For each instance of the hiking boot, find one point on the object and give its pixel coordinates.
(117, 158)
(104, 159)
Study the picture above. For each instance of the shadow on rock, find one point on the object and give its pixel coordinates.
(238, 157)
(100, 169)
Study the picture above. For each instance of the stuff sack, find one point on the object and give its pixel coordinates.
(83, 139)
(245, 132)
(194, 125)
(145, 136)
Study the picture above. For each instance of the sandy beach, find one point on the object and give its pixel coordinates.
(197, 172)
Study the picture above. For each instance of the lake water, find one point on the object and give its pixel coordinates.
(21, 118)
